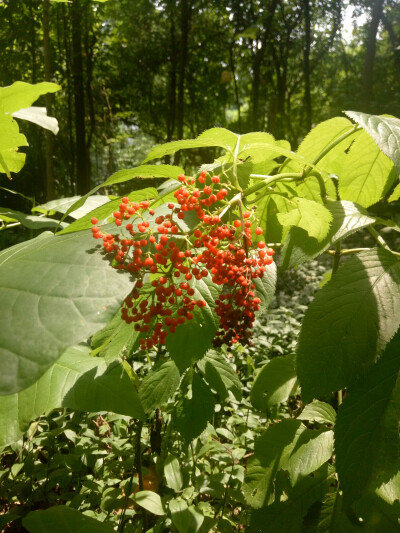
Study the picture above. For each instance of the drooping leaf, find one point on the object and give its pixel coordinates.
(347, 218)
(220, 375)
(29, 221)
(10, 140)
(314, 218)
(219, 137)
(192, 339)
(367, 443)
(287, 516)
(57, 291)
(185, 518)
(366, 174)
(274, 382)
(384, 130)
(63, 519)
(159, 385)
(144, 171)
(104, 212)
(320, 412)
(116, 339)
(349, 322)
(150, 501)
(191, 415)
(21, 95)
(173, 473)
(38, 115)
(61, 205)
(76, 380)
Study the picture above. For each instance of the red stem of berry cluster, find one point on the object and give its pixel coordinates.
(155, 246)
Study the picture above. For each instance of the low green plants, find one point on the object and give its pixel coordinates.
(222, 421)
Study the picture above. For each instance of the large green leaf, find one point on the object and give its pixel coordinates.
(274, 382)
(63, 519)
(384, 130)
(366, 173)
(159, 385)
(21, 95)
(76, 380)
(192, 339)
(349, 323)
(191, 415)
(320, 412)
(347, 218)
(311, 216)
(55, 291)
(333, 517)
(220, 375)
(266, 286)
(287, 516)
(367, 443)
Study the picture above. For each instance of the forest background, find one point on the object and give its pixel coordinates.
(135, 73)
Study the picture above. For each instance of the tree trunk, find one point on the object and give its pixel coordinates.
(82, 174)
(256, 67)
(185, 25)
(49, 185)
(306, 64)
(68, 62)
(395, 43)
(370, 49)
(172, 76)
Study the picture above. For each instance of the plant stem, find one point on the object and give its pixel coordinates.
(380, 240)
(332, 145)
(286, 176)
(336, 257)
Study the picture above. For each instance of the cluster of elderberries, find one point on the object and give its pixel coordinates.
(156, 246)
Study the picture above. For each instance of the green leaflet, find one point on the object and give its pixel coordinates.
(349, 322)
(104, 212)
(347, 218)
(395, 194)
(320, 412)
(266, 286)
(29, 221)
(150, 501)
(287, 445)
(311, 216)
(220, 375)
(287, 516)
(144, 171)
(116, 339)
(173, 473)
(274, 382)
(57, 292)
(159, 385)
(10, 140)
(185, 518)
(367, 174)
(191, 415)
(367, 443)
(192, 339)
(76, 380)
(384, 130)
(213, 137)
(61, 205)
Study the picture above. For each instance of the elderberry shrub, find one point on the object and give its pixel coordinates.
(175, 259)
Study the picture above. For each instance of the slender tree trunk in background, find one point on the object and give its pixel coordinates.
(256, 67)
(68, 61)
(173, 73)
(89, 44)
(49, 188)
(395, 43)
(306, 64)
(82, 171)
(370, 49)
(235, 85)
(186, 9)
(33, 45)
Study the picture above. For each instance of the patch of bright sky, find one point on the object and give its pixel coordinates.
(349, 23)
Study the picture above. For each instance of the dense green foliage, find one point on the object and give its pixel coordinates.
(299, 432)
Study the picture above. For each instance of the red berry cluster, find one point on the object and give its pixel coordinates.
(156, 246)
